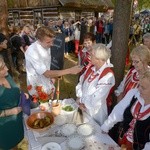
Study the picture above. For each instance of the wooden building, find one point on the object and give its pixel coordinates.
(36, 11)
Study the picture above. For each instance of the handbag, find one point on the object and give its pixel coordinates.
(24, 103)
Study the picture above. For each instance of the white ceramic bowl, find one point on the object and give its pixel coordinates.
(68, 129)
(67, 112)
(75, 142)
(51, 146)
(85, 130)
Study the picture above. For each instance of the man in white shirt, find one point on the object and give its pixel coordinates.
(38, 60)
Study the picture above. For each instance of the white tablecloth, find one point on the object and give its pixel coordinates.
(94, 142)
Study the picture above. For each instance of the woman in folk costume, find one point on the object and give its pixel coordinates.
(140, 57)
(95, 85)
(84, 55)
(133, 111)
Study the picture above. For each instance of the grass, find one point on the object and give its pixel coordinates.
(68, 82)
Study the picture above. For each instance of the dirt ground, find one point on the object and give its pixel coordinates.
(67, 82)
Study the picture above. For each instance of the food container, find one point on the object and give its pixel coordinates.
(40, 121)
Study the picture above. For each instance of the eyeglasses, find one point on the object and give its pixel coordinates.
(135, 61)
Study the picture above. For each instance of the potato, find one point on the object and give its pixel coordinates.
(41, 123)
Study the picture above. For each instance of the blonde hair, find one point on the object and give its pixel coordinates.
(2, 63)
(101, 52)
(142, 52)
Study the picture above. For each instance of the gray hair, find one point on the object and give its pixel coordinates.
(146, 36)
(142, 52)
(101, 52)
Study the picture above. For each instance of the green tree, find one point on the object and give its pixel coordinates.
(143, 4)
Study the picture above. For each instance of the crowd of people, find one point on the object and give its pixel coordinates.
(130, 118)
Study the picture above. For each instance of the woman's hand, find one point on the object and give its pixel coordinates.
(78, 101)
(14, 111)
(27, 95)
(82, 107)
(9, 112)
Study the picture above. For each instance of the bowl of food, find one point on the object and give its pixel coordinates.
(68, 109)
(40, 121)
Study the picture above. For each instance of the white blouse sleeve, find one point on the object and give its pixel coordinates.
(79, 86)
(147, 146)
(118, 111)
(120, 88)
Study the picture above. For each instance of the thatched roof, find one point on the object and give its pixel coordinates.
(96, 5)
(70, 3)
(89, 4)
(32, 3)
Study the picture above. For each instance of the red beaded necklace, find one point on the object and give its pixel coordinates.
(92, 76)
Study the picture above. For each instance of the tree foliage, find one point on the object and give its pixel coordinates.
(114, 1)
(143, 4)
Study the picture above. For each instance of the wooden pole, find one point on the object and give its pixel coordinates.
(57, 89)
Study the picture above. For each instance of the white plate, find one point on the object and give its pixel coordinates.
(75, 142)
(68, 129)
(51, 146)
(85, 130)
(60, 120)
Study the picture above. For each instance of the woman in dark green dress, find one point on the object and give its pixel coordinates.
(11, 119)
